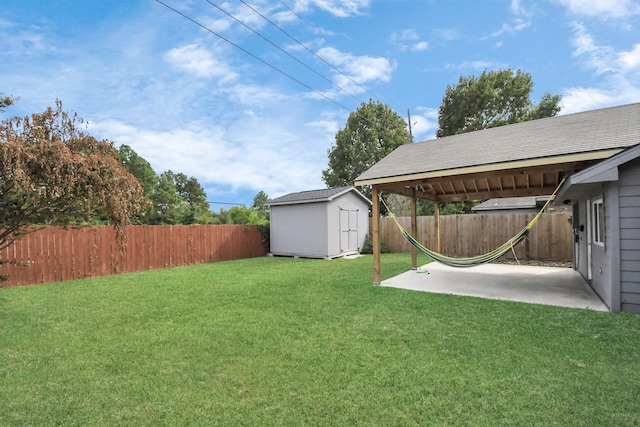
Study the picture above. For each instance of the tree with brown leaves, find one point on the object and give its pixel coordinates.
(53, 173)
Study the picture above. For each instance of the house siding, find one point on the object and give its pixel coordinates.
(629, 201)
(299, 230)
(601, 255)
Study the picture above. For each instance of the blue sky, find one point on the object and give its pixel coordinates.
(187, 100)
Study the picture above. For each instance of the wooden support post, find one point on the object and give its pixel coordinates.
(436, 217)
(414, 229)
(375, 222)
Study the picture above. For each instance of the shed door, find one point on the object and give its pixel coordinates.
(348, 230)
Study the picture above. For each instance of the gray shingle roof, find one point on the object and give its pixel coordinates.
(591, 131)
(324, 195)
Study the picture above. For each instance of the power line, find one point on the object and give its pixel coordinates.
(273, 67)
(282, 50)
(309, 50)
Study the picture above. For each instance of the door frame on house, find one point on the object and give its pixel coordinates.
(589, 238)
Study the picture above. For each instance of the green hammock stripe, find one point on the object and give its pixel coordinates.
(463, 261)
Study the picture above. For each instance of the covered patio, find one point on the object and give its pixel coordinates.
(524, 159)
(557, 286)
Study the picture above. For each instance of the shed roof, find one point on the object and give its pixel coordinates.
(314, 196)
(532, 156)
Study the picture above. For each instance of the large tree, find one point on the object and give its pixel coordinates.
(167, 207)
(178, 199)
(372, 131)
(53, 173)
(191, 193)
(175, 198)
(494, 99)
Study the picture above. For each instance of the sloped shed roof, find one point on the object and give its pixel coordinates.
(314, 196)
(523, 159)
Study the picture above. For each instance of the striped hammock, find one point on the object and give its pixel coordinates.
(478, 259)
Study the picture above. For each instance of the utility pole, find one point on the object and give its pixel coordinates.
(409, 118)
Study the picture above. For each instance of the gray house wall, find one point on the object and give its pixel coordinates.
(629, 203)
(605, 260)
(615, 267)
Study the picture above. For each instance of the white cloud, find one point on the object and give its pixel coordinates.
(478, 65)
(199, 61)
(619, 74)
(424, 123)
(339, 8)
(517, 8)
(246, 15)
(361, 68)
(599, 58)
(247, 153)
(447, 33)
(630, 60)
(253, 95)
(516, 26)
(603, 9)
(408, 40)
(419, 46)
(577, 99)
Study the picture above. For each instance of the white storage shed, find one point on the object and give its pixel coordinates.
(326, 223)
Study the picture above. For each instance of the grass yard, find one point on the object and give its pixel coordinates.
(281, 341)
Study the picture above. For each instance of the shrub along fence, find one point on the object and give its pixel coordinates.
(551, 238)
(54, 254)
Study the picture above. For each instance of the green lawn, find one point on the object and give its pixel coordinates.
(280, 341)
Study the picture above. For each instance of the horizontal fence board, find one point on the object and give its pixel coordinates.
(551, 238)
(53, 254)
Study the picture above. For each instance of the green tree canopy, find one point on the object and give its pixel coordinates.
(259, 205)
(494, 99)
(139, 168)
(259, 201)
(372, 131)
(167, 206)
(175, 197)
(51, 172)
(191, 193)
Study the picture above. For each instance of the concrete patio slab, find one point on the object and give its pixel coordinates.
(556, 286)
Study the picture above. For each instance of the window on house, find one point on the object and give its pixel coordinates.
(597, 213)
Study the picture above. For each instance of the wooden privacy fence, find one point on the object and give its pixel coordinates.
(54, 254)
(551, 238)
